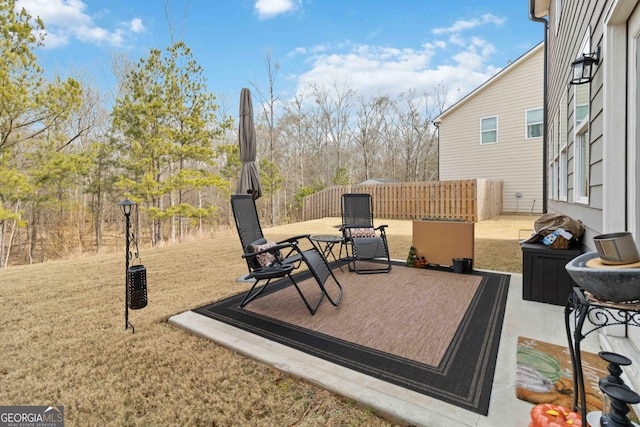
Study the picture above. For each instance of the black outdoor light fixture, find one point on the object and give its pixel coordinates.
(583, 67)
(135, 276)
(126, 205)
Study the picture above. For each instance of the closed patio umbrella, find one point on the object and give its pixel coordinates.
(249, 181)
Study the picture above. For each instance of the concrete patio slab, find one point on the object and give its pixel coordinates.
(522, 318)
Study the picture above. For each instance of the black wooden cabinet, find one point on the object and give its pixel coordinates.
(544, 278)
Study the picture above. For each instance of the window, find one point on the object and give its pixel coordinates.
(562, 146)
(489, 130)
(534, 119)
(582, 110)
(557, 150)
(581, 143)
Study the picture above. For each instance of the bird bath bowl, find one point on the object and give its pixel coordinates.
(606, 282)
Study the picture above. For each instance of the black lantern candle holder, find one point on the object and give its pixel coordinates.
(135, 276)
(137, 290)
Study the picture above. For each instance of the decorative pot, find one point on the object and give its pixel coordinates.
(615, 283)
(617, 248)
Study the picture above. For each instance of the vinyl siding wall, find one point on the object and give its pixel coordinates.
(566, 35)
(580, 17)
(514, 159)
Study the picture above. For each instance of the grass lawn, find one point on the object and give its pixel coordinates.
(64, 342)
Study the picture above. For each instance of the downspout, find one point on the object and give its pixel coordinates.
(437, 125)
(545, 153)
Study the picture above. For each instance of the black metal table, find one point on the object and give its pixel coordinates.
(600, 314)
(325, 243)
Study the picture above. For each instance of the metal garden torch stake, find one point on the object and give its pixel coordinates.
(126, 205)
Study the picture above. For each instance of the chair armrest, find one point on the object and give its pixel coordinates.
(271, 272)
(295, 238)
(381, 227)
(276, 247)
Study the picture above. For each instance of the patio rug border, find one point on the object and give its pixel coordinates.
(464, 377)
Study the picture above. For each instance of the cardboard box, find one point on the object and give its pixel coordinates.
(439, 241)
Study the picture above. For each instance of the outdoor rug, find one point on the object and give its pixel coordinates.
(427, 330)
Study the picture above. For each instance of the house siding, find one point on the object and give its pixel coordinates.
(514, 159)
(578, 18)
(614, 159)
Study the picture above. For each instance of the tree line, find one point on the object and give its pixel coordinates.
(70, 150)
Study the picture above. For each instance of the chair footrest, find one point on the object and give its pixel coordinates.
(271, 272)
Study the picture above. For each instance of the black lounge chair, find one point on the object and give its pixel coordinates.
(266, 261)
(366, 242)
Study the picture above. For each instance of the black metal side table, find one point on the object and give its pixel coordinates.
(329, 241)
(600, 314)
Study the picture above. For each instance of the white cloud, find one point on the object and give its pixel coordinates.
(313, 49)
(136, 25)
(391, 71)
(98, 35)
(64, 13)
(457, 39)
(455, 31)
(55, 40)
(320, 48)
(269, 8)
(462, 25)
(65, 20)
(469, 59)
(297, 51)
(440, 44)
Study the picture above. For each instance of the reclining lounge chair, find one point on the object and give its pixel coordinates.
(367, 242)
(265, 259)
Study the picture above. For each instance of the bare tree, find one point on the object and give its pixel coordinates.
(317, 139)
(168, 14)
(335, 108)
(296, 126)
(368, 129)
(268, 103)
(409, 131)
(98, 152)
(390, 141)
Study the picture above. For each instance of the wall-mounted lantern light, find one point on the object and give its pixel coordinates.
(583, 67)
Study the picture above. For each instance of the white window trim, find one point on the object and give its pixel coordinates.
(558, 14)
(580, 129)
(552, 178)
(563, 191)
(481, 131)
(527, 124)
(551, 167)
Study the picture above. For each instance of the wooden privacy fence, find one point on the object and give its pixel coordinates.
(469, 200)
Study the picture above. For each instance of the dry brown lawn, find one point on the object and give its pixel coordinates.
(64, 343)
